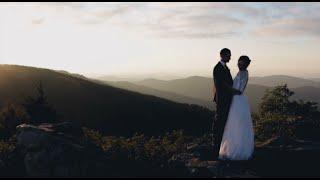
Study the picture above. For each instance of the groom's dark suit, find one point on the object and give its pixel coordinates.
(223, 84)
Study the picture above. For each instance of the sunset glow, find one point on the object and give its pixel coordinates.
(181, 39)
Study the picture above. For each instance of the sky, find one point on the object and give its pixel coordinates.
(175, 39)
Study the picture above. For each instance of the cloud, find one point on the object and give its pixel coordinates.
(99, 14)
(290, 20)
(77, 12)
(192, 19)
(193, 26)
(291, 28)
(38, 21)
(189, 20)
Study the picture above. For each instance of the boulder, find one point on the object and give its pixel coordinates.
(56, 150)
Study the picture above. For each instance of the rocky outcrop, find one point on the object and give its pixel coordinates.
(278, 157)
(60, 150)
(195, 166)
(56, 150)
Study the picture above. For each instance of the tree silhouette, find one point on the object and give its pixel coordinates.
(39, 109)
(11, 115)
(281, 116)
(276, 101)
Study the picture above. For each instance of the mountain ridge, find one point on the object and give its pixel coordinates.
(112, 110)
(200, 87)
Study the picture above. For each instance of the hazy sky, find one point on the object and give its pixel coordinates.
(181, 39)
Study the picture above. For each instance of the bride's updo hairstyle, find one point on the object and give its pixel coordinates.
(245, 59)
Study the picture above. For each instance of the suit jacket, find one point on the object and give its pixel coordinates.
(223, 83)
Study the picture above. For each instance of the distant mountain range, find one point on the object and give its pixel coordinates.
(195, 86)
(91, 103)
(315, 79)
(201, 89)
(159, 93)
(136, 77)
(293, 82)
(150, 106)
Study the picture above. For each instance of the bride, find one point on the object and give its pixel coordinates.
(238, 138)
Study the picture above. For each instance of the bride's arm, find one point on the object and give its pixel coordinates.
(244, 76)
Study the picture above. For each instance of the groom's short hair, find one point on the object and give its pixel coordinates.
(225, 51)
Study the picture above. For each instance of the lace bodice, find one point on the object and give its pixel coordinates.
(241, 80)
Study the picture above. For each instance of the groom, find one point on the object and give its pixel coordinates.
(223, 96)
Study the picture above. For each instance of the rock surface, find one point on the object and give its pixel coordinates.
(51, 151)
(278, 157)
(58, 150)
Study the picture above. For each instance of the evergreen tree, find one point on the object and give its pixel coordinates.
(39, 109)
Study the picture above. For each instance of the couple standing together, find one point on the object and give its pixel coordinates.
(233, 129)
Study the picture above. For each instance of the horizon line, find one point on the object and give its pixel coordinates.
(124, 76)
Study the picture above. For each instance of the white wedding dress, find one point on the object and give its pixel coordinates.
(238, 137)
